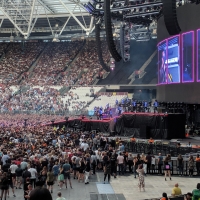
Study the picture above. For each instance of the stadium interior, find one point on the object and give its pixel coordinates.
(109, 69)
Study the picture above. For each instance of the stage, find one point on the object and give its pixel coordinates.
(155, 125)
(141, 125)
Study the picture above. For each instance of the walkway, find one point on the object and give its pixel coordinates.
(121, 188)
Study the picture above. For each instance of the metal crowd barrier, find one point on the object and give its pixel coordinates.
(164, 149)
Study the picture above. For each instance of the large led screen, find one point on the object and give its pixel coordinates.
(198, 55)
(188, 57)
(162, 63)
(173, 57)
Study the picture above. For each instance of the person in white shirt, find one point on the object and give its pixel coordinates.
(13, 167)
(33, 172)
(189, 144)
(85, 146)
(60, 196)
(153, 163)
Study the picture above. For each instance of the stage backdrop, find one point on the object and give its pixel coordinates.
(181, 84)
(158, 126)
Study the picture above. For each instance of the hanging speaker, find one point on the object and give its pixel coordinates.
(170, 17)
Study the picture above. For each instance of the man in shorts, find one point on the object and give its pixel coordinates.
(13, 167)
(67, 170)
(18, 173)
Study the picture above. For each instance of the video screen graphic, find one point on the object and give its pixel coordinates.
(162, 63)
(198, 55)
(188, 56)
(173, 61)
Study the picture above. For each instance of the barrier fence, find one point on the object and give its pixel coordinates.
(164, 149)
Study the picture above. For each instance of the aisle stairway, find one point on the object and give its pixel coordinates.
(32, 67)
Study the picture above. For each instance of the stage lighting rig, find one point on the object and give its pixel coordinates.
(125, 40)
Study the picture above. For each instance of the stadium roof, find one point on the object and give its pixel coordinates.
(40, 19)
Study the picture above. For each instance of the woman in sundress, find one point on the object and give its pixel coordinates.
(140, 172)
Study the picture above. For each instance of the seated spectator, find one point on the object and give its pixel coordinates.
(164, 196)
(60, 196)
(188, 196)
(176, 190)
(196, 192)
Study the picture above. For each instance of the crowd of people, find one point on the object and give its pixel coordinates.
(18, 60)
(52, 67)
(3, 48)
(88, 64)
(53, 62)
(46, 100)
(38, 157)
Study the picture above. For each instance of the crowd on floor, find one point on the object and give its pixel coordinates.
(37, 157)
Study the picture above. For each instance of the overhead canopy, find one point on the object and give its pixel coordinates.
(29, 18)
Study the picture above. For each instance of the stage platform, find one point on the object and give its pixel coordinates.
(141, 125)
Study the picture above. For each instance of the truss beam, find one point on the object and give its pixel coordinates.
(72, 14)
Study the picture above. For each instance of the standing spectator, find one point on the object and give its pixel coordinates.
(148, 159)
(93, 162)
(33, 172)
(113, 163)
(144, 163)
(50, 180)
(130, 163)
(141, 183)
(120, 162)
(167, 167)
(5, 157)
(24, 164)
(160, 163)
(13, 168)
(26, 184)
(87, 170)
(10, 182)
(67, 170)
(26, 174)
(55, 171)
(191, 165)
(28, 192)
(107, 171)
(61, 177)
(153, 163)
(198, 164)
(81, 170)
(180, 164)
(4, 185)
(18, 172)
